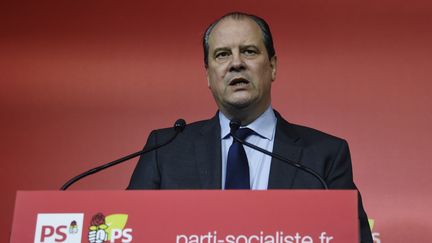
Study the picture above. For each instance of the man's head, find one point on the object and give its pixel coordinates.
(239, 68)
(265, 30)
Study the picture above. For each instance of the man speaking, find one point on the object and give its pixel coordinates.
(241, 65)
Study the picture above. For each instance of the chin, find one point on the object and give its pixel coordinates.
(239, 105)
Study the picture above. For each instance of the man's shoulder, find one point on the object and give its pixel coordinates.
(313, 142)
(307, 135)
(313, 132)
(201, 126)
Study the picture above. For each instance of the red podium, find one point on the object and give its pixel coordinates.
(186, 216)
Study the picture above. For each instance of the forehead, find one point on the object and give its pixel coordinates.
(230, 31)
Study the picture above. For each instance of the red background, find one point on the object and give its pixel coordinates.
(83, 83)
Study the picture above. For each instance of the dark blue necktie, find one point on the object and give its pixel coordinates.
(237, 172)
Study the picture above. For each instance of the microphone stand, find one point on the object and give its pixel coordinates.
(179, 126)
(235, 125)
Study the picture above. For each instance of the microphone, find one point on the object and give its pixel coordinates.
(179, 126)
(235, 125)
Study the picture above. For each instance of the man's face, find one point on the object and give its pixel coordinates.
(239, 71)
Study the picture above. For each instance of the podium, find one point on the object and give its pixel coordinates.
(186, 216)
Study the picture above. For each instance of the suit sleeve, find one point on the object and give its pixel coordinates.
(340, 176)
(146, 174)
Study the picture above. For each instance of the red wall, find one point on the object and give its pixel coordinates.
(83, 83)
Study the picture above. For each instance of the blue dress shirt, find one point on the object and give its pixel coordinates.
(264, 128)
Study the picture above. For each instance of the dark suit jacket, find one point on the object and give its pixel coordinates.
(193, 161)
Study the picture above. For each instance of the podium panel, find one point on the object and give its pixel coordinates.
(186, 216)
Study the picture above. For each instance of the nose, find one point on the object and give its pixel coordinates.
(237, 63)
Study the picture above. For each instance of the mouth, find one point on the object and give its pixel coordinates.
(238, 82)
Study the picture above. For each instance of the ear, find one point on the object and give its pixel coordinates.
(207, 76)
(273, 64)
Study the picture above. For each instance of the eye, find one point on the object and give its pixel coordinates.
(222, 54)
(250, 52)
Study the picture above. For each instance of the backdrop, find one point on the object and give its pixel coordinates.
(83, 83)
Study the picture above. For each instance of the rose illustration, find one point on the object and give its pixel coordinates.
(98, 219)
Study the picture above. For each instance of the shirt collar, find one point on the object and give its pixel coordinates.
(264, 125)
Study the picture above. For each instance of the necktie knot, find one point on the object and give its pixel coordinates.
(243, 133)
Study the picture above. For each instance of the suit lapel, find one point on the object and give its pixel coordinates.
(286, 144)
(208, 154)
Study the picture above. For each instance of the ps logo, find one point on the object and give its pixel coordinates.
(66, 228)
(109, 228)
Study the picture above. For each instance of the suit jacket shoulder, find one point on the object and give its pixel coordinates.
(190, 161)
(324, 153)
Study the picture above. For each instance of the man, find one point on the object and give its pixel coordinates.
(240, 63)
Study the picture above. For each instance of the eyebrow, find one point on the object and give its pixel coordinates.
(241, 48)
(247, 46)
(221, 49)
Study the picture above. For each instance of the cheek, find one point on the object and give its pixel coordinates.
(215, 84)
(219, 70)
(216, 78)
(265, 73)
